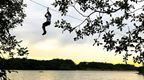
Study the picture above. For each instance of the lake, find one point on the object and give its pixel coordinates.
(75, 75)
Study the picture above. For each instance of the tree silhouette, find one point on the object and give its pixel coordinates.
(115, 24)
(11, 16)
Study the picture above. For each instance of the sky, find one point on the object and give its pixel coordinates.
(56, 44)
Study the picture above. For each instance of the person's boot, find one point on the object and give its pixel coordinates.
(44, 33)
(44, 29)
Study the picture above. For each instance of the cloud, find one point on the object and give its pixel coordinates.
(50, 49)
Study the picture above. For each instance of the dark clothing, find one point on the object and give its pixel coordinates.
(48, 16)
(44, 25)
(48, 22)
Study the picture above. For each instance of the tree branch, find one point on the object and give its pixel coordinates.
(79, 11)
(112, 11)
(140, 1)
(136, 10)
(80, 23)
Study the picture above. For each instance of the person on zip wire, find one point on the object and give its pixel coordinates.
(48, 21)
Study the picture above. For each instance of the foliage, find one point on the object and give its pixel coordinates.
(61, 64)
(115, 24)
(30, 64)
(141, 70)
(104, 66)
(11, 16)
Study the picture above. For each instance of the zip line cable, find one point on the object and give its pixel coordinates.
(38, 3)
(54, 10)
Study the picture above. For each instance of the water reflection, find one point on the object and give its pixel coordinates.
(75, 75)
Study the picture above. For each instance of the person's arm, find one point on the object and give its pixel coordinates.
(49, 13)
(46, 15)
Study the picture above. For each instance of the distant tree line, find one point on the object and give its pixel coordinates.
(60, 64)
(141, 70)
(104, 66)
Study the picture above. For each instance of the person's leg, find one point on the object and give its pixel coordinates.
(44, 27)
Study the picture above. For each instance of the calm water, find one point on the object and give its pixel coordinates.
(75, 75)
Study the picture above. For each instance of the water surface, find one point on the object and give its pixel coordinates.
(75, 75)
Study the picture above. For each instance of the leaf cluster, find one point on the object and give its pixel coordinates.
(11, 16)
